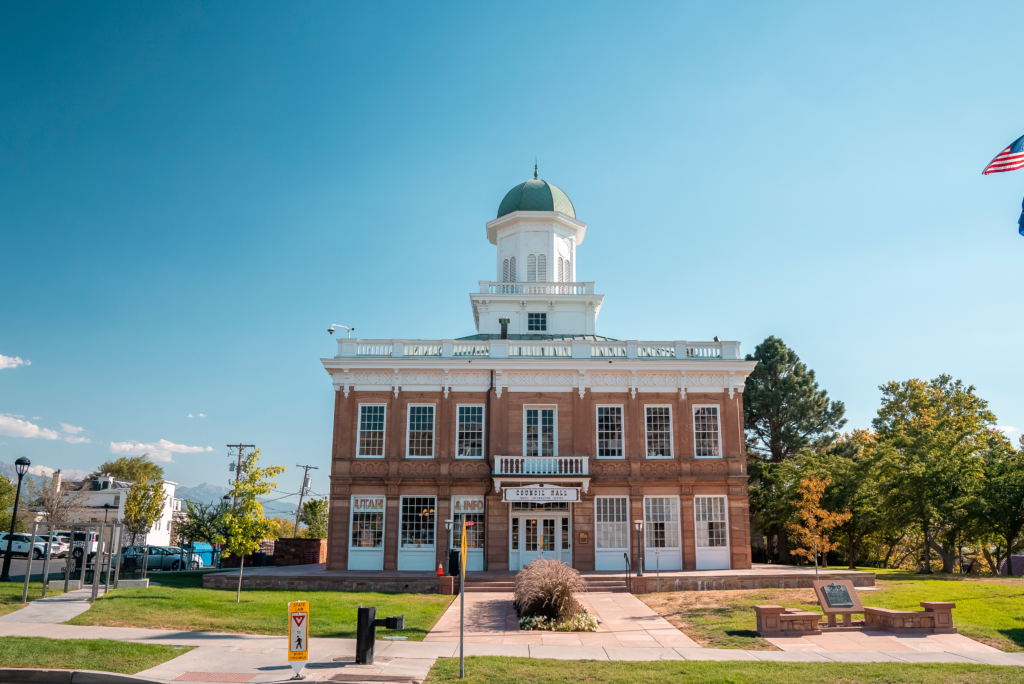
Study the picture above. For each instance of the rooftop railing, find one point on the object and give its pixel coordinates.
(567, 349)
(527, 288)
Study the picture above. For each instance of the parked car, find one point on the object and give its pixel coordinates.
(160, 558)
(60, 548)
(65, 536)
(22, 545)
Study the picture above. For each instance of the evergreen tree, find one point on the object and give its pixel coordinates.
(785, 413)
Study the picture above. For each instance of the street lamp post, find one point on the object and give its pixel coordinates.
(638, 525)
(21, 465)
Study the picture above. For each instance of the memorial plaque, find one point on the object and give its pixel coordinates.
(837, 596)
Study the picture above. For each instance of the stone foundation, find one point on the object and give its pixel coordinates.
(937, 618)
(426, 585)
(776, 621)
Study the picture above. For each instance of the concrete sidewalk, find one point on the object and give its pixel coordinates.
(265, 657)
(53, 609)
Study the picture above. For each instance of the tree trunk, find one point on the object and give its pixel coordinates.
(238, 594)
(927, 560)
(948, 557)
(993, 565)
(783, 544)
(849, 543)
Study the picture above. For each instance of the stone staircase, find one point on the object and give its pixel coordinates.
(506, 583)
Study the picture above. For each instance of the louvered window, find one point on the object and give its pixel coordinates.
(542, 268)
(531, 268)
(504, 271)
(512, 270)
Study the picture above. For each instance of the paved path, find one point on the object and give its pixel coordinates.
(862, 642)
(624, 621)
(53, 610)
(265, 657)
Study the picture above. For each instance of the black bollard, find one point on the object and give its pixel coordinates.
(366, 635)
(366, 632)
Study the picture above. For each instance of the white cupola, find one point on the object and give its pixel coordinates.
(536, 234)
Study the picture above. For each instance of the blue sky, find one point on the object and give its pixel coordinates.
(190, 193)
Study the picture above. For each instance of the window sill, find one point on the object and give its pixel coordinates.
(379, 457)
(469, 458)
(610, 458)
(659, 458)
(706, 457)
(419, 458)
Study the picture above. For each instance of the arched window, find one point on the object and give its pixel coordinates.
(542, 268)
(531, 268)
(560, 274)
(512, 270)
(568, 271)
(504, 271)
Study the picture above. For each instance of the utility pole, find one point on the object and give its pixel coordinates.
(302, 492)
(238, 467)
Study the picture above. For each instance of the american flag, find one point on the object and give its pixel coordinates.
(1010, 159)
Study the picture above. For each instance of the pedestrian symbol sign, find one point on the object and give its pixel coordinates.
(298, 634)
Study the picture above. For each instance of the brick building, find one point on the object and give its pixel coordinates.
(552, 439)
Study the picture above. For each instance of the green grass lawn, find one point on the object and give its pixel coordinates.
(500, 670)
(85, 654)
(989, 610)
(181, 603)
(10, 595)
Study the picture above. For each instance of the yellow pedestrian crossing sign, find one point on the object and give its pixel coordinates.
(298, 634)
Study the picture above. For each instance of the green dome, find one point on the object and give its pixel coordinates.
(536, 195)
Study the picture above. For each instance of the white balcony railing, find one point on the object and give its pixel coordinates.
(567, 348)
(520, 288)
(540, 466)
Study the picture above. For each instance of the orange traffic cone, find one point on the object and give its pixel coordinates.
(440, 572)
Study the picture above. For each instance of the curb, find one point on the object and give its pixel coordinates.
(34, 676)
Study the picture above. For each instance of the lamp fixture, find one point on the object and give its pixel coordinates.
(22, 465)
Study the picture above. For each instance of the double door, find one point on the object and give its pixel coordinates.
(540, 536)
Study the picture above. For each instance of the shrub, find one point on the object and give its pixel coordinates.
(546, 588)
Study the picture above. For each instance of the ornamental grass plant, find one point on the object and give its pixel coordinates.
(546, 589)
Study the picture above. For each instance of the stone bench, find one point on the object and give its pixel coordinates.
(936, 618)
(776, 621)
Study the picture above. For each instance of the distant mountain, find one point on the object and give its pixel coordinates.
(207, 493)
(201, 493)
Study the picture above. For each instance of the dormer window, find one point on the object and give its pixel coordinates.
(537, 322)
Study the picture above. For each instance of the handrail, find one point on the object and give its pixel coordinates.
(629, 573)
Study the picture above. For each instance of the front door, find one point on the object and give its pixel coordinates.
(540, 536)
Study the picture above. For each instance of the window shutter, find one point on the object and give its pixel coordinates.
(542, 268)
(531, 268)
(512, 270)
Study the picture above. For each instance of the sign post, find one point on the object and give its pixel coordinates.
(462, 602)
(298, 636)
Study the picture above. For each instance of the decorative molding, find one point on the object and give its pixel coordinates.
(498, 382)
(541, 379)
(424, 468)
(632, 384)
(369, 469)
(582, 382)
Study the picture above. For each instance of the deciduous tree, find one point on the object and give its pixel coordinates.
(815, 521)
(931, 436)
(1000, 505)
(245, 524)
(314, 517)
(130, 469)
(142, 508)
